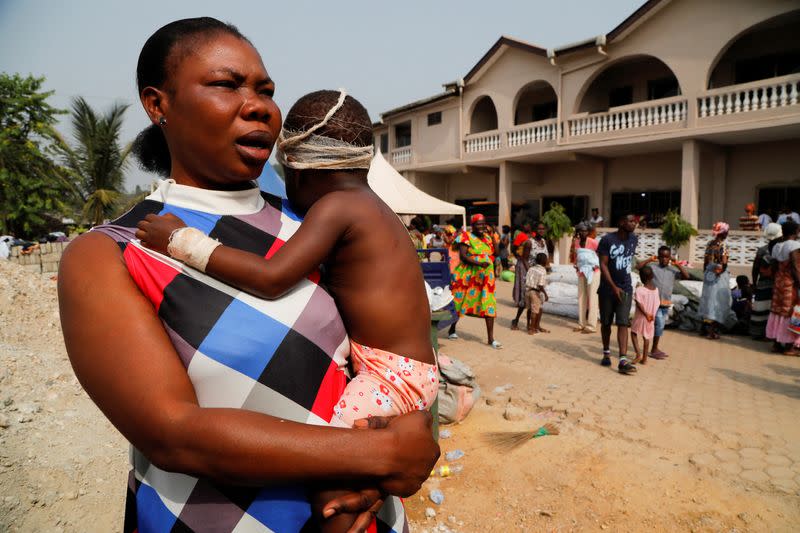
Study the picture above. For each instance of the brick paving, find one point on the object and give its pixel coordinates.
(729, 407)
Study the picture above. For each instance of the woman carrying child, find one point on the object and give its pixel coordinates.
(647, 301)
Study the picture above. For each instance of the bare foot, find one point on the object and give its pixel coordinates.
(514, 326)
(644, 360)
(576, 330)
(532, 332)
(542, 330)
(637, 359)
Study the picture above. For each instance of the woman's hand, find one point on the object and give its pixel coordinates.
(409, 461)
(155, 230)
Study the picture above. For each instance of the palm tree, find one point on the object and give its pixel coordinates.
(96, 163)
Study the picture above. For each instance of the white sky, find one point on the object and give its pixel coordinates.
(385, 54)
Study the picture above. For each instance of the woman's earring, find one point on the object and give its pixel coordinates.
(162, 121)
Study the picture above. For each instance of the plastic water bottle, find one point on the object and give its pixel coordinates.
(447, 470)
(454, 455)
(436, 496)
(444, 433)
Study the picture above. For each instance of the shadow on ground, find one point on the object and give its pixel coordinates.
(569, 349)
(765, 384)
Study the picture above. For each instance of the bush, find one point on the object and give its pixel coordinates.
(676, 230)
(557, 222)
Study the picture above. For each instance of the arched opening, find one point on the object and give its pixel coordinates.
(484, 116)
(536, 101)
(629, 81)
(766, 50)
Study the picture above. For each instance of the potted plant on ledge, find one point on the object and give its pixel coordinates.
(676, 231)
(558, 225)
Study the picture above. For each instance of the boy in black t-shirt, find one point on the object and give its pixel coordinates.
(617, 252)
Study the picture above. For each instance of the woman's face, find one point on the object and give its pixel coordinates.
(540, 231)
(479, 227)
(221, 120)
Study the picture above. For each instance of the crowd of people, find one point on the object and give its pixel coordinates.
(763, 304)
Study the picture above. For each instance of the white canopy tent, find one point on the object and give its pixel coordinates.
(403, 197)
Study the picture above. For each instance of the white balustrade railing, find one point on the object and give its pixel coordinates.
(401, 156)
(742, 246)
(536, 132)
(640, 115)
(482, 142)
(764, 94)
(649, 241)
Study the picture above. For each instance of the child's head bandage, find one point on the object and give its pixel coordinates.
(305, 150)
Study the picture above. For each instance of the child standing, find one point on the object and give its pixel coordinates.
(647, 301)
(535, 282)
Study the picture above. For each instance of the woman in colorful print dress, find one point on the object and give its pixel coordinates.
(473, 282)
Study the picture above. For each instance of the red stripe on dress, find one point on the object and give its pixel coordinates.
(150, 274)
(330, 390)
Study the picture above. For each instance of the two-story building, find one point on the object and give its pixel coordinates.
(686, 104)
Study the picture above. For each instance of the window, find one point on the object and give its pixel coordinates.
(402, 135)
(769, 66)
(384, 143)
(776, 198)
(434, 118)
(544, 111)
(663, 88)
(575, 207)
(620, 96)
(652, 205)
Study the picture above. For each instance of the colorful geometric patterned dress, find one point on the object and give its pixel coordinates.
(473, 287)
(284, 358)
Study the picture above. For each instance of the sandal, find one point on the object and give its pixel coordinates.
(792, 352)
(625, 367)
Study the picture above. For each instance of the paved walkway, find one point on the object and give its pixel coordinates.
(744, 400)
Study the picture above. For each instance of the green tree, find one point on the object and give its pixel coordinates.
(34, 190)
(96, 161)
(557, 222)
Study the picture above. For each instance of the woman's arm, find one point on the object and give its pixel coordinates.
(322, 228)
(124, 359)
(466, 259)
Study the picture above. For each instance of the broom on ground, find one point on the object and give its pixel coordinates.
(510, 440)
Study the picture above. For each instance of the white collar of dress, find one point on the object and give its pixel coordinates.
(244, 202)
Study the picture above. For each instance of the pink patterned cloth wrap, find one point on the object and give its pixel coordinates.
(385, 384)
(649, 300)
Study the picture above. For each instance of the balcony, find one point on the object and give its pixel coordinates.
(401, 156)
(751, 99)
(533, 132)
(482, 142)
(644, 117)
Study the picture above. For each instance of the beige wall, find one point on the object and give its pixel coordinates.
(754, 165)
(711, 25)
(504, 80)
(439, 142)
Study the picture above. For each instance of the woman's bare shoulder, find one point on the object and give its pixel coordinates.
(87, 255)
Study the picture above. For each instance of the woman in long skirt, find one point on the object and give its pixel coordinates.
(473, 282)
(520, 271)
(762, 277)
(784, 293)
(716, 300)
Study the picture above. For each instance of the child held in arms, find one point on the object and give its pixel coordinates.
(370, 265)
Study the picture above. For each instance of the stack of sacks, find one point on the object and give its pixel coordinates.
(562, 288)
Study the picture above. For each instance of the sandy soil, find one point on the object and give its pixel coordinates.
(618, 464)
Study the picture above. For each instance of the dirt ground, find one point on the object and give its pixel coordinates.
(705, 441)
